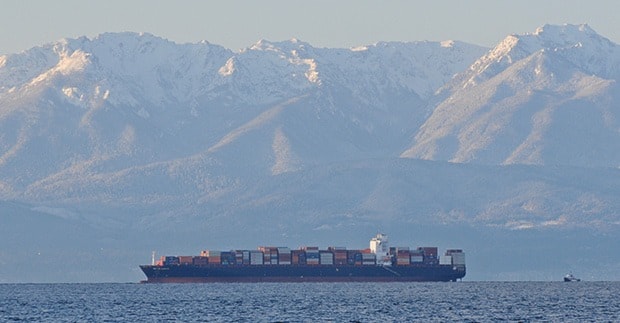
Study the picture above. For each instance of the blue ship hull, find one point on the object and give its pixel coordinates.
(300, 273)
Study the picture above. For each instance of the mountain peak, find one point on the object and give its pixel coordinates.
(447, 43)
(283, 46)
(559, 31)
(579, 44)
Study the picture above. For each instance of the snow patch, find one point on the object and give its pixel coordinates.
(557, 222)
(253, 124)
(228, 68)
(359, 48)
(285, 160)
(519, 225)
(143, 113)
(447, 43)
(73, 93)
(312, 74)
(58, 212)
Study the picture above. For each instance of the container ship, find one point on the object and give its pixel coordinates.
(379, 263)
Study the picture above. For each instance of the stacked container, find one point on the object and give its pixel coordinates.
(340, 255)
(326, 258)
(369, 259)
(215, 257)
(270, 255)
(186, 260)
(354, 257)
(417, 256)
(228, 257)
(171, 260)
(256, 258)
(200, 261)
(445, 260)
(284, 256)
(458, 256)
(400, 256)
(238, 257)
(403, 256)
(430, 255)
(243, 257)
(295, 256)
(312, 255)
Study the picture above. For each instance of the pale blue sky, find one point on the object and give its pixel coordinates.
(322, 23)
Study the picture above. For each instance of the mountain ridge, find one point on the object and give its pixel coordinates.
(129, 142)
(524, 85)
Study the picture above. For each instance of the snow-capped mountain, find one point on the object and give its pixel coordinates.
(121, 101)
(546, 98)
(125, 143)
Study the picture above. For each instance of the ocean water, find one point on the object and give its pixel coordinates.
(313, 302)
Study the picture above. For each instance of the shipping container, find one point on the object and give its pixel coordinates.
(302, 259)
(312, 255)
(210, 253)
(200, 261)
(171, 260)
(312, 261)
(458, 258)
(284, 256)
(186, 260)
(417, 259)
(429, 252)
(340, 257)
(326, 258)
(445, 260)
(256, 258)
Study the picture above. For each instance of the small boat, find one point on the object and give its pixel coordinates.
(571, 278)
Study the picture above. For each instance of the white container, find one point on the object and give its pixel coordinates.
(327, 258)
(445, 260)
(213, 253)
(417, 259)
(368, 256)
(256, 258)
(458, 258)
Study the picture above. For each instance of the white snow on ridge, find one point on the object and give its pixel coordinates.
(512, 105)
(157, 67)
(143, 96)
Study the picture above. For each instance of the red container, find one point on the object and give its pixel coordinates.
(200, 261)
(186, 260)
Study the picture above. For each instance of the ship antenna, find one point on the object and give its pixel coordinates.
(153, 258)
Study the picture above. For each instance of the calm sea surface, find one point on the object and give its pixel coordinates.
(311, 302)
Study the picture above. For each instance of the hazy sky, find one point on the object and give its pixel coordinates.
(329, 23)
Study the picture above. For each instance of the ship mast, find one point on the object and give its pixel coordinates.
(153, 258)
